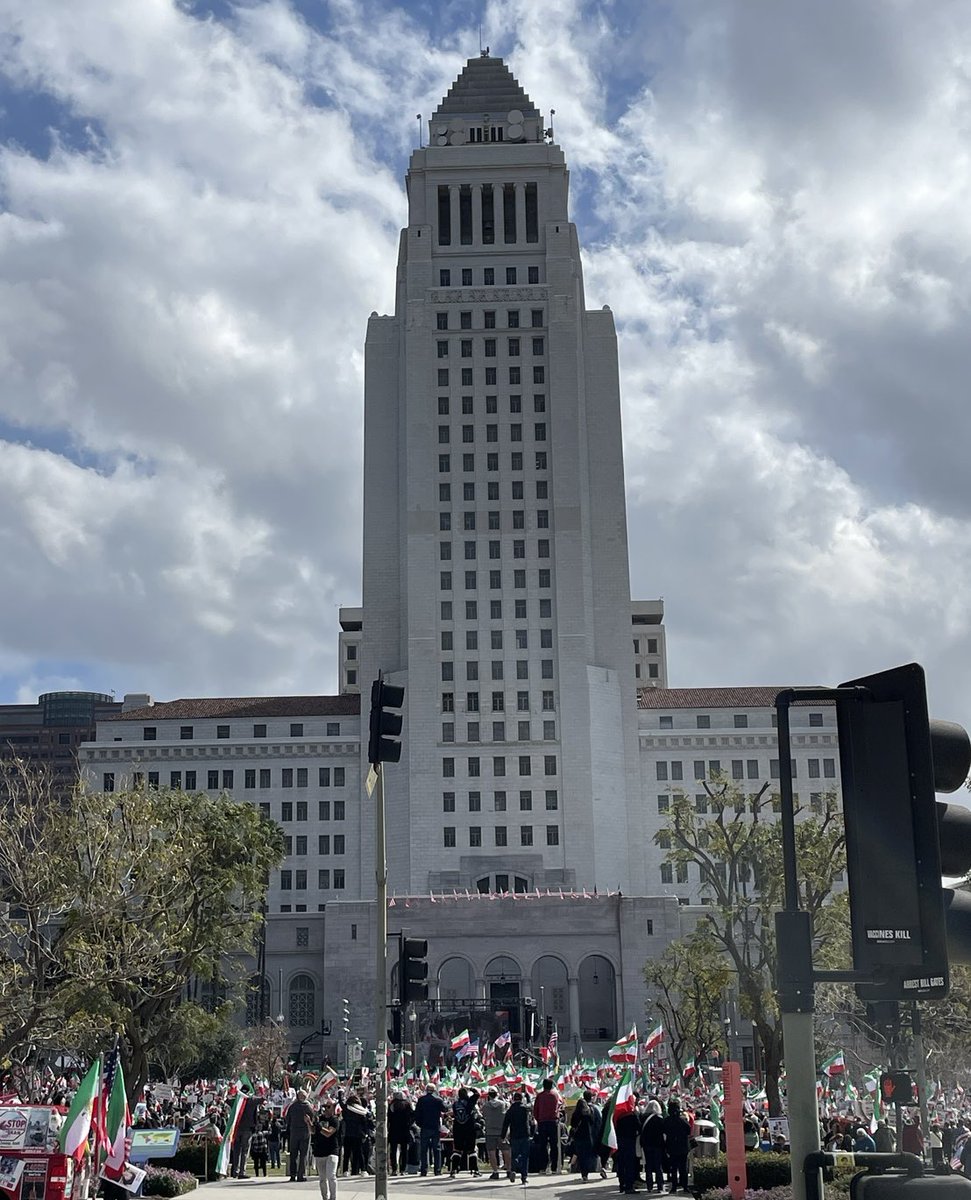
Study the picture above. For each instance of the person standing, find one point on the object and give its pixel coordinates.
(546, 1113)
(518, 1126)
(912, 1137)
(466, 1126)
(493, 1115)
(273, 1133)
(627, 1127)
(356, 1126)
(241, 1138)
(584, 1127)
(428, 1114)
(326, 1140)
(259, 1150)
(652, 1146)
(677, 1141)
(297, 1124)
(401, 1117)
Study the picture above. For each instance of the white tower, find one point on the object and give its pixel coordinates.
(496, 584)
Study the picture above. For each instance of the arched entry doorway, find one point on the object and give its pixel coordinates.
(551, 991)
(598, 999)
(455, 980)
(503, 977)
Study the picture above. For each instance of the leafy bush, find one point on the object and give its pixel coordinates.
(764, 1171)
(164, 1181)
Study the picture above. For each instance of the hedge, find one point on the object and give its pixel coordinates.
(164, 1181)
(768, 1174)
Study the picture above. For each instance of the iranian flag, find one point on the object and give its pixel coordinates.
(460, 1040)
(621, 1102)
(625, 1050)
(654, 1038)
(116, 1126)
(690, 1069)
(834, 1066)
(329, 1079)
(225, 1148)
(77, 1124)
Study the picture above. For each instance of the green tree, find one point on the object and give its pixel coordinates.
(111, 903)
(267, 1051)
(736, 848)
(688, 982)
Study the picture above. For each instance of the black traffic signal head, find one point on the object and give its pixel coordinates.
(892, 760)
(413, 971)
(385, 726)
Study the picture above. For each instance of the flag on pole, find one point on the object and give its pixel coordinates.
(460, 1040)
(690, 1068)
(551, 1048)
(622, 1101)
(625, 1050)
(834, 1066)
(327, 1080)
(504, 1039)
(116, 1126)
(77, 1124)
(225, 1148)
(654, 1038)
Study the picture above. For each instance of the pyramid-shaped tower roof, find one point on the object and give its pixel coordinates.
(486, 85)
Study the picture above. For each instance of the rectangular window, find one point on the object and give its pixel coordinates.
(552, 835)
(339, 878)
(286, 881)
(466, 377)
(815, 719)
(339, 776)
(259, 731)
(323, 880)
(323, 810)
(108, 781)
(222, 731)
(510, 275)
(525, 835)
(185, 733)
(286, 777)
(475, 835)
(448, 802)
(443, 376)
(212, 781)
(249, 778)
(829, 768)
(448, 837)
(466, 277)
(323, 843)
(538, 345)
(448, 768)
(500, 833)
(149, 733)
(526, 801)
(228, 779)
(525, 765)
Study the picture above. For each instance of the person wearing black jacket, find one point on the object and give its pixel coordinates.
(401, 1118)
(652, 1145)
(628, 1128)
(518, 1126)
(677, 1140)
(327, 1135)
(358, 1124)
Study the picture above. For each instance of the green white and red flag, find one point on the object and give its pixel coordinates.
(117, 1122)
(654, 1038)
(625, 1050)
(326, 1080)
(461, 1039)
(834, 1066)
(622, 1101)
(76, 1130)
(225, 1148)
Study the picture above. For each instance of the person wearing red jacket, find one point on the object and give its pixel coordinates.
(546, 1111)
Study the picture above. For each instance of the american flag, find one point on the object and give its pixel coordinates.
(551, 1045)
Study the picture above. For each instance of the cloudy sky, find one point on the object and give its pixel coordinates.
(199, 207)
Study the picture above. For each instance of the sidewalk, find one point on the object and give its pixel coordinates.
(414, 1187)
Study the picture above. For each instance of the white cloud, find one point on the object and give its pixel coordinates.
(774, 201)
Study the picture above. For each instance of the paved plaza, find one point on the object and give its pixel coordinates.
(414, 1187)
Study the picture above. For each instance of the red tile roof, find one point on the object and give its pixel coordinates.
(247, 706)
(709, 697)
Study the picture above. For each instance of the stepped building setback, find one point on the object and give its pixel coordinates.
(542, 745)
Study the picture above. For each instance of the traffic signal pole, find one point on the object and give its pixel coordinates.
(380, 993)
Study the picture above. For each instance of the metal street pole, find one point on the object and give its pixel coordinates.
(915, 1025)
(380, 993)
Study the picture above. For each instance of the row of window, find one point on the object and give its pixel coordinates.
(498, 701)
(495, 609)
(543, 579)
(488, 276)
(749, 768)
(473, 731)
(298, 845)
(512, 316)
(490, 347)
(492, 489)
(703, 720)
(492, 433)
(470, 549)
(490, 377)
(817, 803)
(541, 459)
(651, 645)
(497, 206)
(291, 881)
(499, 801)
(500, 836)
(491, 407)
(496, 668)
(324, 809)
(474, 765)
(187, 732)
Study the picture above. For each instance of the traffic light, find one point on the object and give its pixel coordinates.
(413, 971)
(896, 1087)
(385, 725)
(893, 759)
